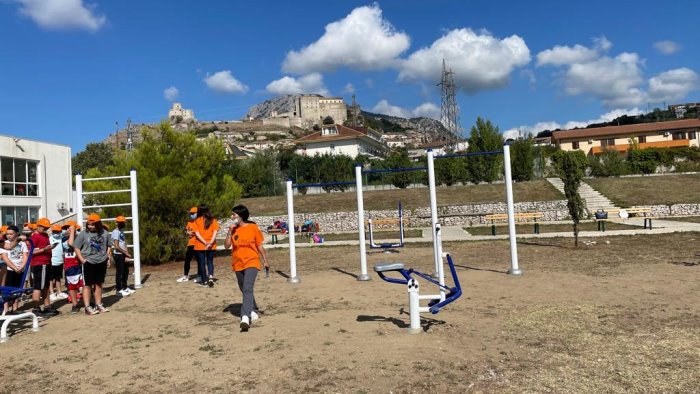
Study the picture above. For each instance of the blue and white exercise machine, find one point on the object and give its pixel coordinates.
(386, 245)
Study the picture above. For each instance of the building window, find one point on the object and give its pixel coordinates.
(19, 177)
(679, 136)
(574, 145)
(19, 215)
(607, 142)
(642, 139)
(692, 135)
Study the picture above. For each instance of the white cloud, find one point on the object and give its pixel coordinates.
(224, 82)
(552, 125)
(667, 47)
(560, 55)
(62, 14)
(349, 88)
(362, 40)
(171, 93)
(479, 61)
(428, 110)
(672, 85)
(616, 81)
(602, 43)
(312, 83)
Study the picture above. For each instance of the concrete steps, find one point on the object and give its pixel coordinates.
(593, 199)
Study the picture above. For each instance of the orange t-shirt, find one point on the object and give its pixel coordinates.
(190, 227)
(245, 241)
(207, 234)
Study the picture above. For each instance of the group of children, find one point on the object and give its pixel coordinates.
(82, 257)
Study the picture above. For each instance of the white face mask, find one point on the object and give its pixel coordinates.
(193, 216)
(56, 235)
(236, 221)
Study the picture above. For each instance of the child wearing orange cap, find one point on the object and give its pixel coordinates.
(206, 228)
(15, 257)
(92, 248)
(72, 267)
(120, 253)
(40, 268)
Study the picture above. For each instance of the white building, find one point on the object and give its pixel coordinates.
(336, 139)
(36, 180)
(177, 111)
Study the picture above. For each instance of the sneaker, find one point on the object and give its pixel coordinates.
(102, 308)
(196, 280)
(210, 283)
(254, 316)
(124, 293)
(203, 284)
(89, 310)
(53, 297)
(62, 296)
(74, 309)
(245, 323)
(130, 290)
(183, 279)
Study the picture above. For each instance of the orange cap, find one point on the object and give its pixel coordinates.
(3, 228)
(93, 217)
(56, 228)
(193, 210)
(72, 223)
(32, 226)
(120, 219)
(44, 222)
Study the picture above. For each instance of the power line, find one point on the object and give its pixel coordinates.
(449, 111)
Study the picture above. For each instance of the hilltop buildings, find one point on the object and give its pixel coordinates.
(310, 110)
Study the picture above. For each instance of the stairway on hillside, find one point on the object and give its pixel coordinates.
(593, 199)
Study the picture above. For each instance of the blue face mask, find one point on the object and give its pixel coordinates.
(56, 235)
(193, 216)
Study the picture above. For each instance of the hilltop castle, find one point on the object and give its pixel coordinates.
(309, 110)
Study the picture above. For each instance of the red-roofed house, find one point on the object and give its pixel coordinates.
(671, 134)
(335, 139)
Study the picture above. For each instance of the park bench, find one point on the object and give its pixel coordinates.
(618, 215)
(497, 219)
(273, 233)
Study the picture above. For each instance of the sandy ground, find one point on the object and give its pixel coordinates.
(606, 317)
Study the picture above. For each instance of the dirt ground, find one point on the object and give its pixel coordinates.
(617, 315)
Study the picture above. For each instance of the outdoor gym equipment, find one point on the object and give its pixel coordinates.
(386, 245)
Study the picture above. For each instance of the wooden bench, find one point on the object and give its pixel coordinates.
(388, 221)
(273, 232)
(614, 216)
(520, 218)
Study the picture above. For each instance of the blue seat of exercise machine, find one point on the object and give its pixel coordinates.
(388, 267)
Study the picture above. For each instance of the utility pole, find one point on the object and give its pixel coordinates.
(116, 135)
(449, 111)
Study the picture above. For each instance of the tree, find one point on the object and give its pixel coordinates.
(484, 138)
(400, 159)
(522, 159)
(259, 175)
(571, 167)
(95, 155)
(175, 172)
(336, 168)
(450, 171)
(328, 120)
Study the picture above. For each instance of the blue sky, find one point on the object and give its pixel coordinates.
(70, 69)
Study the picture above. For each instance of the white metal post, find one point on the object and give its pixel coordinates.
(414, 306)
(433, 210)
(441, 266)
(361, 224)
(293, 278)
(79, 203)
(135, 229)
(514, 269)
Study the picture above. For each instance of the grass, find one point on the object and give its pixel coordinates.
(539, 190)
(691, 219)
(548, 228)
(650, 190)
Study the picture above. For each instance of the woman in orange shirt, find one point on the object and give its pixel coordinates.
(247, 253)
(205, 227)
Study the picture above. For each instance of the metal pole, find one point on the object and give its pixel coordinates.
(433, 211)
(79, 194)
(414, 306)
(514, 269)
(361, 224)
(293, 278)
(135, 227)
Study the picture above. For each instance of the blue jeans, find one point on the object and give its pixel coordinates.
(205, 264)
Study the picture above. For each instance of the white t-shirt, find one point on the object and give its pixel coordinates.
(57, 251)
(118, 235)
(16, 254)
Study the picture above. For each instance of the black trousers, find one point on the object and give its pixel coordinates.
(189, 254)
(122, 271)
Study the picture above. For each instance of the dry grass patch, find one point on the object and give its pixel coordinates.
(649, 190)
